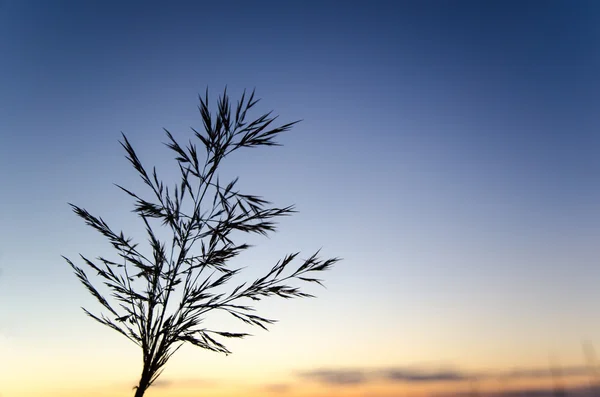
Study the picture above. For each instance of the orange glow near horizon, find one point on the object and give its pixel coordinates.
(190, 388)
(94, 371)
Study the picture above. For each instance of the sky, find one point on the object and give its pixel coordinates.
(448, 152)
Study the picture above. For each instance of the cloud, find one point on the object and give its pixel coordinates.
(544, 372)
(162, 383)
(183, 383)
(574, 391)
(420, 376)
(359, 376)
(277, 388)
(412, 375)
(336, 376)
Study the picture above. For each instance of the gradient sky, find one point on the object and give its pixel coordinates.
(448, 152)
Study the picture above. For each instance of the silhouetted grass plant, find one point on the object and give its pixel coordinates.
(159, 301)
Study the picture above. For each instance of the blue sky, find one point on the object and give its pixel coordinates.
(448, 152)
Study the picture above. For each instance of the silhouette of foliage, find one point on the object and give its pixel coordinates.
(159, 301)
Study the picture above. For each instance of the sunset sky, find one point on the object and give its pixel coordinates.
(449, 153)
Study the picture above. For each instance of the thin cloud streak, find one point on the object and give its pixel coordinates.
(418, 376)
(183, 383)
(337, 376)
(278, 388)
(575, 391)
(413, 375)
